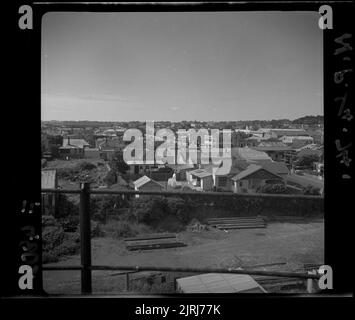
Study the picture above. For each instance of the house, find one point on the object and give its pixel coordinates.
(222, 181)
(278, 168)
(276, 150)
(254, 177)
(288, 132)
(180, 170)
(250, 155)
(107, 154)
(200, 179)
(147, 184)
(72, 148)
(302, 139)
(49, 180)
(304, 181)
(91, 153)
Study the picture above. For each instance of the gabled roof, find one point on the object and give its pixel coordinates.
(289, 132)
(272, 146)
(275, 167)
(248, 154)
(305, 181)
(48, 179)
(144, 180)
(250, 170)
(78, 143)
(200, 173)
(238, 165)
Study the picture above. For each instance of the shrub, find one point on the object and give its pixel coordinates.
(96, 230)
(56, 242)
(67, 247)
(149, 210)
(110, 178)
(52, 236)
(66, 207)
(70, 223)
(104, 206)
(48, 220)
(48, 257)
(85, 166)
(310, 190)
(121, 229)
(276, 188)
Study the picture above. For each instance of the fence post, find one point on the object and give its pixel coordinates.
(85, 238)
(311, 283)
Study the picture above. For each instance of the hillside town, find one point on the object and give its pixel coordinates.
(285, 159)
(267, 157)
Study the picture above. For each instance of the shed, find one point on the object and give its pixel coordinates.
(49, 181)
(219, 283)
(146, 184)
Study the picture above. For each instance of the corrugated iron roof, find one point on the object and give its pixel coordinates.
(272, 146)
(248, 154)
(219, 283)
(275, 167)
(144, 180)
(201, 173)
(48, 179)
(250, 170)
(79, 143)
(305, 181)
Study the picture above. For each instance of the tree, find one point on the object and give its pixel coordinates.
(276, 188)
(110, 178)
(307, 160)
(310, 190)
(117, 164)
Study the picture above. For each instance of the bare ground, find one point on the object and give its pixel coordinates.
(292, 243)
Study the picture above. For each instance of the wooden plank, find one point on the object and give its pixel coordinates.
(151, 241)
(242, 227)
(236, 222)
(156, 246)
(239, 224)
(234, 218)
(153, 236)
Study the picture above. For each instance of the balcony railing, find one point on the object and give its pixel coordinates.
(86, 266)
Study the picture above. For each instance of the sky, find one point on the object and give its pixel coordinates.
(174, 66)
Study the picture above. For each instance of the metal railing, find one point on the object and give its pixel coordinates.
(86, 266)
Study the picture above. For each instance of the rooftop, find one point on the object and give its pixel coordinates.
(201, 173)
(70, 142)
(219, 283)
(144, 180)
(48, 179)
(250, 170)
(275, 167)
(272, 146)
(249, 154)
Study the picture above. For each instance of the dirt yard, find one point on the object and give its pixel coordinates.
(291, 243)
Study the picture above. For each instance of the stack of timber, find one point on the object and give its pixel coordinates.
(237, 223)
(154, 241)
